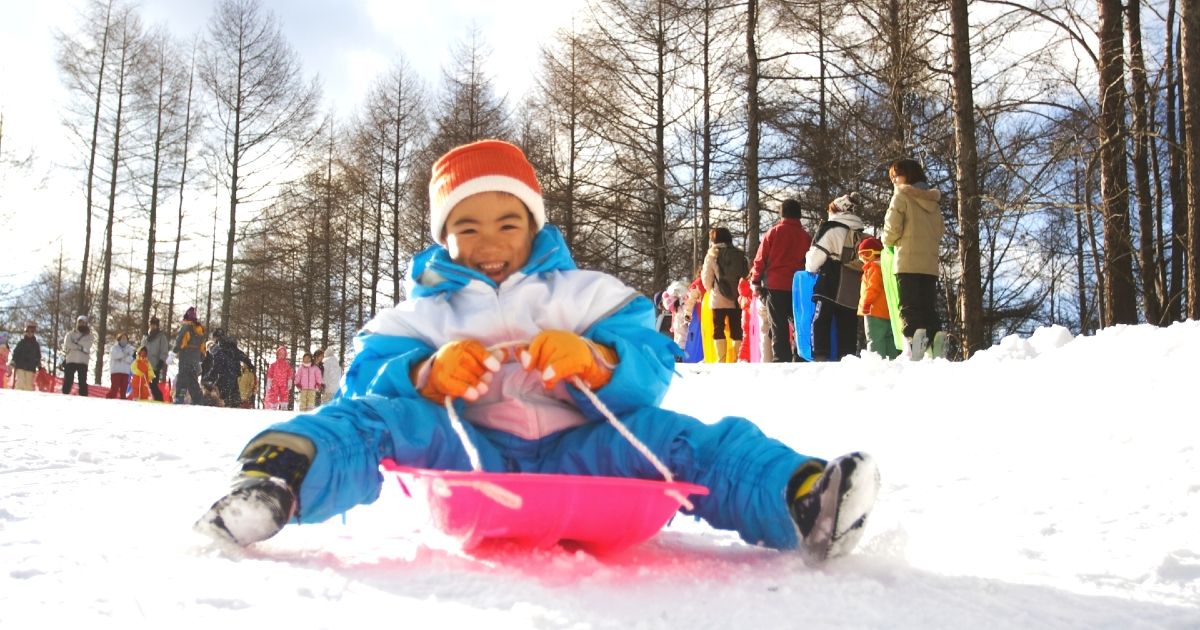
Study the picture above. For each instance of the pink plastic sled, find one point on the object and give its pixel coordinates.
(600, 514)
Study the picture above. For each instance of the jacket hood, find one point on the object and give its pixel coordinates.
(848, 219)
(432, 272)
(927, 198)
(281, 353)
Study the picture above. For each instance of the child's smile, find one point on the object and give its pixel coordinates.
(491, 233)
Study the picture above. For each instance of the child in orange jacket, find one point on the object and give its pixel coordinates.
(872, 303)
(142, 373)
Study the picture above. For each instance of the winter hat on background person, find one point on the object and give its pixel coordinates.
(870, 243)
(82, 319)
(484, 166)
(190, 315)
(847, 202)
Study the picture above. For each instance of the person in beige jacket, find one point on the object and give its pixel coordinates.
(724, 266)
(913, 227)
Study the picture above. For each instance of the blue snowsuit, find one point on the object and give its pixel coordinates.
(519, 426)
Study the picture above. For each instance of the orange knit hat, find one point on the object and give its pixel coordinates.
(484, 166)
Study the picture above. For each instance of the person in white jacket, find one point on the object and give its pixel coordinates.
(77, 346)
(331, 373)
(120, 360)
(824, 258)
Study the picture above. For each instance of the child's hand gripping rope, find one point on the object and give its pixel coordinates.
(459, 369)
(560, 355)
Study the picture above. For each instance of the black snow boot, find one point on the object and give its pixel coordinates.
(263, 498)
(830, 503)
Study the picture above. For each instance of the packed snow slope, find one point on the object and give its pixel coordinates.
(1048, 482)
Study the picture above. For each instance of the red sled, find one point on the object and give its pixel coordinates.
(601, 515)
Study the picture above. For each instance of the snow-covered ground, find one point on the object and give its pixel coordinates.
(1048, 482)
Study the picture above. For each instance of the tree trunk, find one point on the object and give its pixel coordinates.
(152, 235)
(102, 327)
(326, 244)
(1148, 264)
(1175, 161)
(1189, 35)
(187, 136)
(896, 72)
(82, 304)
(967, 178)
(658, 233)
(1120, 299)
(753, 129)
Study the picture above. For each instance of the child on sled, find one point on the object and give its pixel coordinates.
(500, 320)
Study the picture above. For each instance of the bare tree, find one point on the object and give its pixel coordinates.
(128, 47)
(1189, 34)
(83, 61)
(189, 123)
(1148, 260)
(396, 124)
(1120, 298)
(967, 179)
(753, 129)
(263, 110)
(160, 100)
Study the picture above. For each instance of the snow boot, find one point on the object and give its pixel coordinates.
(830, 503)
(264, 496)
(937, 349)
(719, 346)
(915, 347)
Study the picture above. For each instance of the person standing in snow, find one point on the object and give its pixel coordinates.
(825, 259)
(872, 303)
(26, 359)
(157, 346)
(5, 351)
(247, 386)
(279, 381)
(331, 376)
(308, 381)
(779, 257)
(500, 320)
(318, 359)
(77, 345)
(120, 359)
(673, 300)
(189, 352)
(745, 298)
(223, 368)
(724, 266)
(913, 229)
(142, 374)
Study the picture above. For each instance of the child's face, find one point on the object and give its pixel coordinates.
(867, 255)
(491, 233)
(307, 359)
(896, 177)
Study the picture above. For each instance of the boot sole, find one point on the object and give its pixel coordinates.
(845, 504)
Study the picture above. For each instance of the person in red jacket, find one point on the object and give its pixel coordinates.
(780, 256)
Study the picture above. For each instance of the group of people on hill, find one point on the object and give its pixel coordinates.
(209, 371)
(848, 294)
(315, 380)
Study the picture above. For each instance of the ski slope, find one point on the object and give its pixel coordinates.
(1048, 482)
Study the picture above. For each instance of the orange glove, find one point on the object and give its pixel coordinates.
(459, 369)
(560, 354)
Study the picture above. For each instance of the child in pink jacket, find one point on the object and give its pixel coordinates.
(279, 381)
(308, 381)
